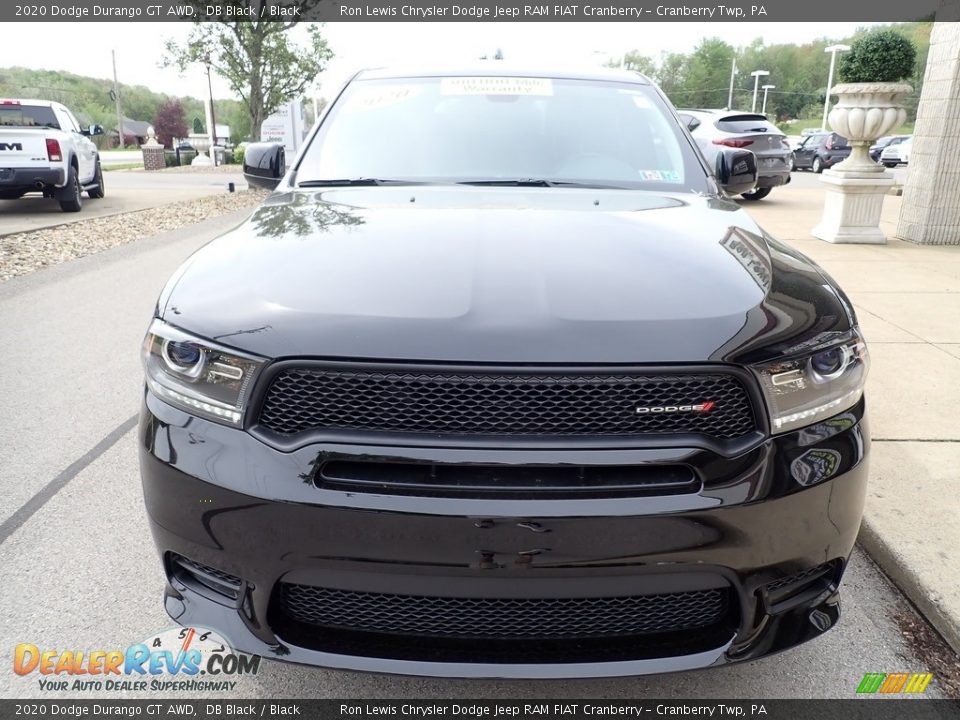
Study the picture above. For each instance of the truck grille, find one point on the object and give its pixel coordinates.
(301, 399)
(503, 618)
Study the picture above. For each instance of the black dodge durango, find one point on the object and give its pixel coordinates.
(498, 382)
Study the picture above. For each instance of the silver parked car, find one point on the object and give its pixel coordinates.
(716, 129)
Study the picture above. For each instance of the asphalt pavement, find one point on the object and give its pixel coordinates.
(80, 571)
(126, 191)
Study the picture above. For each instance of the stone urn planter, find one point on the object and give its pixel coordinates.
(856, 187)
(870, 105)
(864, 113)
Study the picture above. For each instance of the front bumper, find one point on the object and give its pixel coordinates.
(221, 497)
(29, 178)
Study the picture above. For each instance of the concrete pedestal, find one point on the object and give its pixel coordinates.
(202, 160)
(851, 209)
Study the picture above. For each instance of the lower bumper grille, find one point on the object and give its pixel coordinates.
(503, 618)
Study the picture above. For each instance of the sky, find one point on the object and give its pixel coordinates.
(140, 46)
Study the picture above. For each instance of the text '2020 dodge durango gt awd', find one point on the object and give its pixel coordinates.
(497, 382)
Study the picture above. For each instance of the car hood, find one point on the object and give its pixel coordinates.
(502, 275)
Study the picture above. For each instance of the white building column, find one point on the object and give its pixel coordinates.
(930, 213)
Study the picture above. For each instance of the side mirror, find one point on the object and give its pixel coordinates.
(96, 129)
(264, 164)
(736, 171)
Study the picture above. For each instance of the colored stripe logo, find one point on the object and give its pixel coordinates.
(889, 683)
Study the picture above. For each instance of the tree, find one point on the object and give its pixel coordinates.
(198, 126)
(170, 122)
(636, 61)
(257, 58)
(707, 74)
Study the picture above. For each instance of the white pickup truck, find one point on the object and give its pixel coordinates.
(44, 149)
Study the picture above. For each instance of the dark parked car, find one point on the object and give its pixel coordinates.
(820, 151)
(715, 129)
(497, 382)
(886, 141)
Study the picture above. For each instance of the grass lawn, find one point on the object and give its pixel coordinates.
(801, 125)
(123, 166)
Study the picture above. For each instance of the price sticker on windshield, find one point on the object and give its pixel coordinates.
(379, 97)
(538, 87)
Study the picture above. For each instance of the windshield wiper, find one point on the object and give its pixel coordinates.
(354, 182)
(538, 182)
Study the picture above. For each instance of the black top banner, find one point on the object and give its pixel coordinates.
(637, 11)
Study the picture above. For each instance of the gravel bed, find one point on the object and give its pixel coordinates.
(26, 252)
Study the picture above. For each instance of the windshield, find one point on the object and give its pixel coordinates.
(502, 129)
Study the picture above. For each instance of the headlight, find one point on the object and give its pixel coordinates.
(197, 375)
(819, 383)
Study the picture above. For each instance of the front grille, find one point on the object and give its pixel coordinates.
(503, 618)
(447, 403)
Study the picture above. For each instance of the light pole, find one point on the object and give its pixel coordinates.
(765, 89)
(733, 74)
(833, 50)
(213, 117)
(757, 74)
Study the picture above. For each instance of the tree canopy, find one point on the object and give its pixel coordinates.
(259, 60)
(701, 78)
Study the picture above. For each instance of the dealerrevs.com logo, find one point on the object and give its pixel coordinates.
(178, 659)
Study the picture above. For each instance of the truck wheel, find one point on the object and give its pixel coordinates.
(69, 195)
(817, 166)
(756, 194)
(890, 164)
(97, 192)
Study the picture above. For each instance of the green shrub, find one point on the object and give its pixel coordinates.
(878, 56)
(238, 154)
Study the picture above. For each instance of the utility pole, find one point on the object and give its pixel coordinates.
(116, 99)
(733, 74)
(213, 117)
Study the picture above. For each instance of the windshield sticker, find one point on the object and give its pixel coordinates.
(372, 98)
(666, 176)
(540, 87)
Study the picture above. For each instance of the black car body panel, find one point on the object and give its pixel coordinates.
(499, 276)
(501, 431)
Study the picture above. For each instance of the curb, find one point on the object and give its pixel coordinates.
(923, 597)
